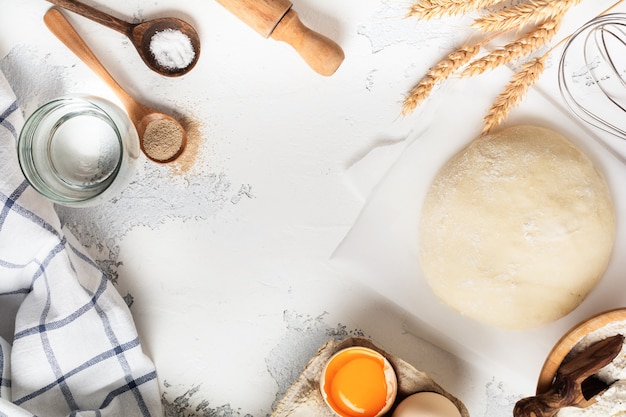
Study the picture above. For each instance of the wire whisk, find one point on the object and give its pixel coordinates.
(592, 73)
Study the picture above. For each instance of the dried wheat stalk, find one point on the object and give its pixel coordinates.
(514, 92)
(546, 13)
(428, 9)
(521, 47)
(437, 74)
(529, 12)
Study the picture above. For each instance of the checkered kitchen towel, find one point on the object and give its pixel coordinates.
(68, 345)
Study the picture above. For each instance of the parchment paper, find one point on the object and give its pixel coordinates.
(381, 248)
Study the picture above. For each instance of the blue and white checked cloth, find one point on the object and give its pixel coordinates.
(68, 344)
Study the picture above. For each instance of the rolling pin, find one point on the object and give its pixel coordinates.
(278, 20)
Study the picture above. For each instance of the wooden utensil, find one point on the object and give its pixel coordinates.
(140, 34)
(567, 342)
(567, 389)
(140, 115)
(278, 20)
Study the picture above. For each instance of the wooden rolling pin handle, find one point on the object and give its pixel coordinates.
(321, 53)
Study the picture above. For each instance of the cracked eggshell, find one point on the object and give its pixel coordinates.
(358, 382)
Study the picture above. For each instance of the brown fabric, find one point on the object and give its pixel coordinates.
(303, 398)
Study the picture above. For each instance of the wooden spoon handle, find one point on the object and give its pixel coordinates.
(592, 359)
(321, 53)
(62, 29)
(547, 404)
(95, 15)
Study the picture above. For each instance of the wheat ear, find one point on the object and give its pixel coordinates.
(521, 82)
(440, 72)
(514, 92)
(428, 9)
(530, 12)
(517, 49)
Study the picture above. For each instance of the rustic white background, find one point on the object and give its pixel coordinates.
(226, 265)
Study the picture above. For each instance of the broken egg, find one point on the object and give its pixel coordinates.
(358, 382)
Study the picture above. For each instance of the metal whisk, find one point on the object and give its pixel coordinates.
(592, 73)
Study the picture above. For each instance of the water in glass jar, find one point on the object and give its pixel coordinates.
(78, 151)
(84, 150)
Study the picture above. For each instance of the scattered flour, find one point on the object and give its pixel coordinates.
(188, 405)
(498, 400)
(389, 26)
(33, 80)
(156, 194)
(305, 335)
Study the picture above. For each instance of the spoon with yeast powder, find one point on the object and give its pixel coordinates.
(183, 42)
(162, 138)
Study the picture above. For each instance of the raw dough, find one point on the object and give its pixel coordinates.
(516, 229)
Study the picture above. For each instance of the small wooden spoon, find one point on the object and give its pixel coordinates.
(568, 388)
(140, 34)
(140, 115)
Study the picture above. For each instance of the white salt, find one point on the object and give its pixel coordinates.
(172, 49)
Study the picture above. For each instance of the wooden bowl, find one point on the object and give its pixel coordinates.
(569, 340)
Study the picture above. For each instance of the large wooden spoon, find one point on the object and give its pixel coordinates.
(141, 115)
(141, 34)
(571, 380)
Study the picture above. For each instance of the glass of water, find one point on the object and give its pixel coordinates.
(78, 150)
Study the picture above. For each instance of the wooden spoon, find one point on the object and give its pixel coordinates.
(141, 116)
(140, 34)
(568, 388)
(569, 340)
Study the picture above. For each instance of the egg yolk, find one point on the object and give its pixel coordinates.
(355, 384)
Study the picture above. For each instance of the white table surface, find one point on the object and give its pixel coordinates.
(226, 265)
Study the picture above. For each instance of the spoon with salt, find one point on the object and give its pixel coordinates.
(162, 137)
(168, 46)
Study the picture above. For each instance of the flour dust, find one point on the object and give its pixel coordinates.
(156, 194)
(303, 337)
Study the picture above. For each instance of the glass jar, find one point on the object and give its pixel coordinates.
(78, 150)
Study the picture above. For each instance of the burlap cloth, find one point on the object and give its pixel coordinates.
(303, 398)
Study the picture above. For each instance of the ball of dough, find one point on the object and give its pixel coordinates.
(516, 229)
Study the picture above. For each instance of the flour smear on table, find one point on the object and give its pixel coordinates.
(195, 194)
